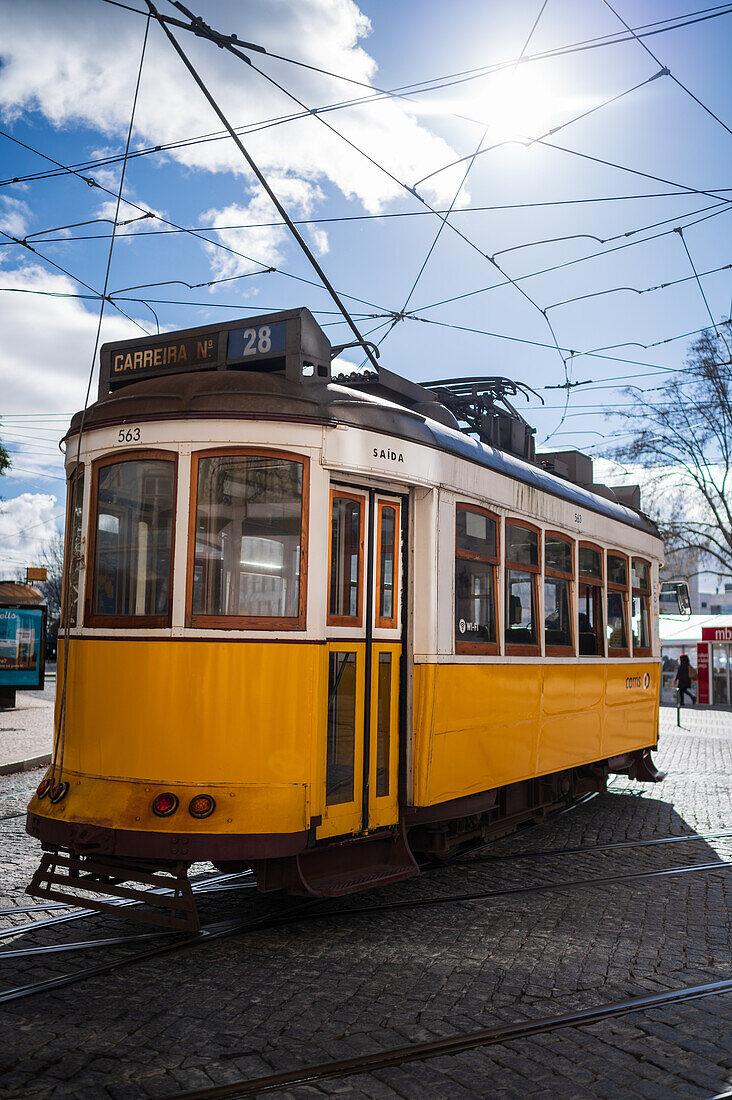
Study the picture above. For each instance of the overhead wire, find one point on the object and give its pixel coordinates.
(345, 218)
(701, 289)
(470, 162)
(166, 221)
(264, 183)
(675, 79)
(75, 278)
(59, 741)
(635, 290)
(569, 263)
(439, 83)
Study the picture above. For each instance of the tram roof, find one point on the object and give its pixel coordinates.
(254, 395)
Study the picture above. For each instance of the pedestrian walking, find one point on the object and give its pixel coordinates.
(686, 675)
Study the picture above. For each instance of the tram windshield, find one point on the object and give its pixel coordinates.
(133, 538)
(248, 537)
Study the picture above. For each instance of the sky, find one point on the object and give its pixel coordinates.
(591, 153)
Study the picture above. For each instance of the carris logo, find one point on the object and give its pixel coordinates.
(386, 452)
(643, 681)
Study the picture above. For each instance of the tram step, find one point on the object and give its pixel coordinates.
(79, 880)
(342, 868)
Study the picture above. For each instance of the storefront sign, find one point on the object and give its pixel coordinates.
(702, 667)
(717, 633)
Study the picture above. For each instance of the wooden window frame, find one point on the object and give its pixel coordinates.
(596, 582)
(590, 578)
(152, 454)
(641, 651)
(355, 621)
(78, 471)
(248, 622)
(619, 651)
(513, 649)
(383, 622)
(561, 650)
(487, 649)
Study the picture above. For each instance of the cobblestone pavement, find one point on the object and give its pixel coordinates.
(305, 993)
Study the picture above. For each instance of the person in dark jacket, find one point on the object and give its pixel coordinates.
(683, 679)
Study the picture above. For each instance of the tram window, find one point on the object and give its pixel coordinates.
(476, 563)
(590, 563)
(559, 573)
(617, 605)
(341, 740)
(617, 570)
(591, 635)
(640, 607)
(248, 561)
(133, 535)
(383, 724)
(346, 559)
(75, 496)
(388, 543)
(522, 545)
(590, 620)
(522, 575)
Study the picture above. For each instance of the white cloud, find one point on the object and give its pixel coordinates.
(14, 216)
(53, 335)
(77, 64)
(26, 523)
(266, 241)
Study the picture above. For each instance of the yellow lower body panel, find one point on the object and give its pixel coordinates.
(240, 721)
(481, 726)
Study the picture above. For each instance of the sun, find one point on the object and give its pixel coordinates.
(518, 104)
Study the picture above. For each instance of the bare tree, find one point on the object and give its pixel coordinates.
(4, 460)
(52, 556)
(683, 441)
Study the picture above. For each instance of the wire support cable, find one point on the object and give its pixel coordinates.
(438, 83)
(59, 741)
(262, 179)
(197, 234)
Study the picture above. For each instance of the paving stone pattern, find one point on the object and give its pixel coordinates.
(285, 998)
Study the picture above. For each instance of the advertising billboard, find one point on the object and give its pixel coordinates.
(22, 631)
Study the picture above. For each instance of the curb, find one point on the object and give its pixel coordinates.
(25, 765)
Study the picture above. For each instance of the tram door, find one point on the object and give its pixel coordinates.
(364, 649)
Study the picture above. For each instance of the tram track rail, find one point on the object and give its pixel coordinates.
(314, 910)
(224, 883)
(453, 1045)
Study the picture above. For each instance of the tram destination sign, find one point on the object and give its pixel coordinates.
(284, 342)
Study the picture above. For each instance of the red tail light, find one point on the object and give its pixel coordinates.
(58, 792)
(202, 805)
(165, 804)
(43, 787)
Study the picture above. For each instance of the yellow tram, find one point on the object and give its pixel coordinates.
(317, 628)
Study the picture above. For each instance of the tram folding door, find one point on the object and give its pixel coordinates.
(363, 650)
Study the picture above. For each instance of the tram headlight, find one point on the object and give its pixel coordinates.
(202, 805)
(43, 787)
(165, 804)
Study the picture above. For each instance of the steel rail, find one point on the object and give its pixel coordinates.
(455, 1044)
(266, 922)
(510, 856)
(225, 887)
